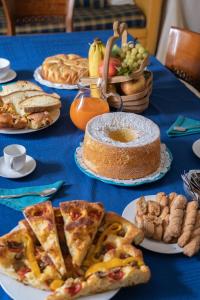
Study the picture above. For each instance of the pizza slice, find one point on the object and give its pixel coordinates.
(113, 232)
(42, 221)
(82, 220)
(21, 259)
(120, 267)
(72, 270)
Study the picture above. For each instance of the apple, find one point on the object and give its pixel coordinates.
(112, 69)
(133, 86)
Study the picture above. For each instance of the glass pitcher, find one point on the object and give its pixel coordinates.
(88, 103)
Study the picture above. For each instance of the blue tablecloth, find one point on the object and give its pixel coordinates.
(173, 276)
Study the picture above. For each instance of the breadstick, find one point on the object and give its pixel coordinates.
(162, 199)
(141, 206)
(148, 226)
(139, 221)
(194, 245)
(172, 196)
(164, 213)
(189, 223)
(158, 232)
(153, 208)
(173, 230)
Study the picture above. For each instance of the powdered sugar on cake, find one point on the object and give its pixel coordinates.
(145, 130)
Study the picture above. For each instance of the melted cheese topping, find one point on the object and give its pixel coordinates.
(107, 265)
(111, 229)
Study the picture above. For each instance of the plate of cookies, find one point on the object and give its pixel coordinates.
(62, 71)
(25, 107)
(171, 223)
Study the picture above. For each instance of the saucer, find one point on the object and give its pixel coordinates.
(196, 148)
(6, 172)
(10, 76)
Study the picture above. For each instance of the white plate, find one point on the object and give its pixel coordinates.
(10, 76)
(29, 130)
(129, 213)
(18, 291)
(196, 148)
(28, 168)
(37, 76)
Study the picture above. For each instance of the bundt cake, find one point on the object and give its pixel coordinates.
(122, 146)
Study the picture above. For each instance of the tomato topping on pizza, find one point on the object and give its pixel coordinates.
(116, 275)
(22, 272)
(74, 289)
(75, 215)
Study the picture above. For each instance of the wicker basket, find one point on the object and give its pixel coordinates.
(134, 103)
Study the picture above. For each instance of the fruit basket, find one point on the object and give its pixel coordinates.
(130, 91)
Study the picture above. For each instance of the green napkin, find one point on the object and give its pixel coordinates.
(22, 202)
(187, 123)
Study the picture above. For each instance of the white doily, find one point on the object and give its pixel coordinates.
(165, 163)
(37, 76)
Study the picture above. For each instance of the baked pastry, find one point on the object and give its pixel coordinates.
(122, 145)
(25, 105)
(21, 259)
(64, 68)
(42, 221)
(81, 220)
(6, 120)
(120, 268)
(188, 223)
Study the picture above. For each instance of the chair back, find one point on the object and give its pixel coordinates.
(183, 55)
(14, 9)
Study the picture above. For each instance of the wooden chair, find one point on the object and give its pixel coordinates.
(183, 55)
(147, 35)
(14, 9)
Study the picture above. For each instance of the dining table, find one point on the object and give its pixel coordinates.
(173, 276)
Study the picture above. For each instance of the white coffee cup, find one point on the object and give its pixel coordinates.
(4, 67)
(14, 157)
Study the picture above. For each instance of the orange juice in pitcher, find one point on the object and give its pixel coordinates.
(87, 105)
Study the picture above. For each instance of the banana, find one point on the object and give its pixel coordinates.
(95, 57)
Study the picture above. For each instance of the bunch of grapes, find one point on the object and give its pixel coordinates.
(132, 57)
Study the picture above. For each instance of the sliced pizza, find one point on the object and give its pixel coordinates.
(113, 232)
(72, 270)
(26, 262)
(120, 268)
(42, 221)
(82, 220)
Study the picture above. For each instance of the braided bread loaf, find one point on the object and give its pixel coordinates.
(63, 68)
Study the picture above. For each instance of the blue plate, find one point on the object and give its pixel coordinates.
(166, 160)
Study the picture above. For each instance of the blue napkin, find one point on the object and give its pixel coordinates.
(187, 123)
(22, 202)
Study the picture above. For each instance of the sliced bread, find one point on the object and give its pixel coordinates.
(17, 97)
(21, 85)
(40, 103)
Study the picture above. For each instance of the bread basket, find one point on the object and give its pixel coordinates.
(134, 103)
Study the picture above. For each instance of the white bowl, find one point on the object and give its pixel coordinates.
(4, 67)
